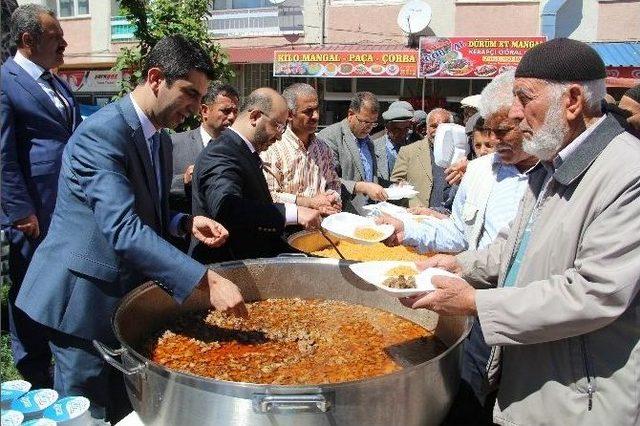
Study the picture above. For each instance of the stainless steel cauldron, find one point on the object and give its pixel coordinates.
(309, 241)
(417, 395)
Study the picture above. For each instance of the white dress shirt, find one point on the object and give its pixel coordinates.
(148, 130)
(205, 136)
(36, 71)
(291, 210)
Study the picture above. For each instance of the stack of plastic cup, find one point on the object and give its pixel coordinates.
(69, 411)
(33, 403)
(12, 390)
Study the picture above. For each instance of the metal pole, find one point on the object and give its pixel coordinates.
(323, 24)
(424, 83)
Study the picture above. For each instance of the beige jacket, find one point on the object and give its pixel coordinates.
(414, 166)
(570, 328)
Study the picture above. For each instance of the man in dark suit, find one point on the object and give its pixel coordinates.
(218, 111)
(229, 185)
(38, 117)
(109, 226)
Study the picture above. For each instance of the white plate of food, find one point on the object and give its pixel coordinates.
(398, 192)
(387, 208)
(398, 279)
(357, 229)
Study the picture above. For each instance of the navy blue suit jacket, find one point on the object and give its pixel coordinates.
(229, 186)
(106, 233)
(34, 133)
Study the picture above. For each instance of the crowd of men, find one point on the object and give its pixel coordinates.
(541, 220)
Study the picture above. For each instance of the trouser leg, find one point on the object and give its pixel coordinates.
(31, 353)
(80, 371)
(473, 405)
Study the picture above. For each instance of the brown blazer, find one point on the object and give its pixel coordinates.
(414, 166)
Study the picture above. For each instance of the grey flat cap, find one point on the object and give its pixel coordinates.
(397, 114)
(474, 122)
(402, 104)
(419, 116)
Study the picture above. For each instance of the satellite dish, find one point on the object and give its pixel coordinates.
(414, 16)
(276, 1)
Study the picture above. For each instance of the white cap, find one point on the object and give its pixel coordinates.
(472, 101)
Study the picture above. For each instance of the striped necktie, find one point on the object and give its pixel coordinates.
(66, 108)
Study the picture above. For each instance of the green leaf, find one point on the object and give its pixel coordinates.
(155, 19)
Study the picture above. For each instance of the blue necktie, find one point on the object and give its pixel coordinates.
(516, 262)
(155, 161)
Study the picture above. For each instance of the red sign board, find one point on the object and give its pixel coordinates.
(623, 72)
(471, 57)
(346, 64)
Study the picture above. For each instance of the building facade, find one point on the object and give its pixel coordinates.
(253, 31)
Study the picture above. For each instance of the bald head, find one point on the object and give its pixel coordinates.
(265, 99)
(263, 118)
(436, 117)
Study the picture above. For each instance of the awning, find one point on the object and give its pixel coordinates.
(251, 55)
(618, 53)
(622, 59)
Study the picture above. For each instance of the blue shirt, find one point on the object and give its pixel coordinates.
(392, 153)
(448, 235)
(366, 158)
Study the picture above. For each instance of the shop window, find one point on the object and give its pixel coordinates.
(379, 86)
(288, 81)
(258, 75)
(365, 2)
(451, 88)
(338, 85)
(240, 4)
(69, 8)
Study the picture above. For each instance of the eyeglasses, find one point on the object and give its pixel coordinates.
(370, 123)
(280, 127)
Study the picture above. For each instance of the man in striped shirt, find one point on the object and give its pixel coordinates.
(299, 168)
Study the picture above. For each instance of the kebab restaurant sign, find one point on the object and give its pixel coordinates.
(472, 57)
(347, 64)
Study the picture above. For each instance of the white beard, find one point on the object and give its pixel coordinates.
(548, 140)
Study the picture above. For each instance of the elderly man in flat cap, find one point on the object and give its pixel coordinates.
(564, 320)
(397, 123)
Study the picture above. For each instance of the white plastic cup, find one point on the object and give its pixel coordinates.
(12, 390)
(33, 403)
(69, 411)
(11, 418)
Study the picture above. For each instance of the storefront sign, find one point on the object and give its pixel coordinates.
(347, 64)
(471, 57)
(93, 81)
(623, 72)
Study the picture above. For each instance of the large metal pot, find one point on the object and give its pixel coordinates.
(309, 241)
(417, 395)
